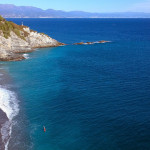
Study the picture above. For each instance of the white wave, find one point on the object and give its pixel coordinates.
(98, 42)
(26, 56)
(9, 105)
(6, 133)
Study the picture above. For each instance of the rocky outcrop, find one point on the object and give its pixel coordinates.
(15, 39)
(89, 43)
(20, 39)
(10, 56)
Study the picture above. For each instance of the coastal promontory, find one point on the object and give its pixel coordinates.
(18, 39)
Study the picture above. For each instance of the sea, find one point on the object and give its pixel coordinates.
(88, 97)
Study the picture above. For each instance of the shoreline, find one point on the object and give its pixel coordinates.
(19, 55)
(8, 109)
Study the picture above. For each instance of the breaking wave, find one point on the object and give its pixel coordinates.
(9, 105)
(26, 56)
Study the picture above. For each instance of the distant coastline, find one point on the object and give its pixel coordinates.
(132, 17)
(12, 11)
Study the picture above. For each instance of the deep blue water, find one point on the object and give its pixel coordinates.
(89, 97)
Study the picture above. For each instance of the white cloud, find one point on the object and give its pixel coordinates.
(141, 7)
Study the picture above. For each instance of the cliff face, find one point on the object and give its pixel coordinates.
(20, 39)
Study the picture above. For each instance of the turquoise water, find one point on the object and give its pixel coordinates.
(89, 97)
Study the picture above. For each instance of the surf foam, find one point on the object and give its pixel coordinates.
(26, 56)
(9, 105)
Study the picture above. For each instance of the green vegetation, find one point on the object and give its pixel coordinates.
(7, 26)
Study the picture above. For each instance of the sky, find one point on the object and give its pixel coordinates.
(86, 5)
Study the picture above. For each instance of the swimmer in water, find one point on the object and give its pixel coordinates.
(44, 128)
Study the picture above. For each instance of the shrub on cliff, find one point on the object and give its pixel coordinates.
(7, 26)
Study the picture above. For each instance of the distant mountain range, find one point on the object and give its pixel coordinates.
(12, 11)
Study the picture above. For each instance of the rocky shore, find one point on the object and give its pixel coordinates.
(16, 39)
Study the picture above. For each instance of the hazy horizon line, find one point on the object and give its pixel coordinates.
(78, 10)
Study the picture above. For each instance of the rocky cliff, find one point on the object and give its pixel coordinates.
(15, 39)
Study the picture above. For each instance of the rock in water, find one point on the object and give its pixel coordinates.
(89, 43)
